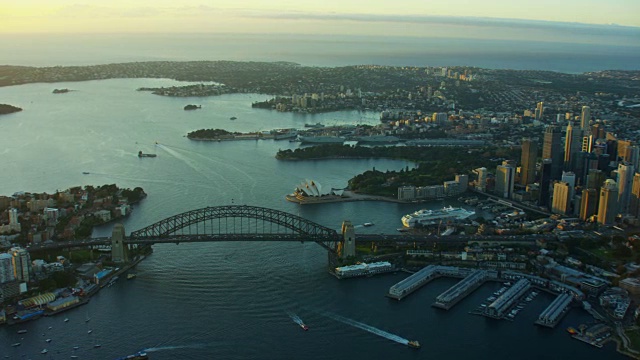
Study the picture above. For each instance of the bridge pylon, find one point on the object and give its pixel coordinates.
(348, 243)
(119, 250)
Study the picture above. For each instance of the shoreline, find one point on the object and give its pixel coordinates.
(348, 196)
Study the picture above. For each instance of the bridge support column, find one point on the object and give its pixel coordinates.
(119, 250)
(348, 240)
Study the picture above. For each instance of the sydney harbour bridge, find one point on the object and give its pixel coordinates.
(251, 223)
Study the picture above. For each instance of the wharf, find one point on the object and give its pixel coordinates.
(83, 301)
(558, 308)
(587, 340)
(459, 291)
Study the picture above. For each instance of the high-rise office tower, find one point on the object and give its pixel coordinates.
(6, 268)
(545, 182)
(634, 202)
(625, 179)
(528, 161)
(588, 204)
(595, 179)
(539, 110)
(585, 117)
(552, 149)
(587, 143)
(631, 155)
(608, 203)
(622, 146)
(505, 176)
(570, 178)
(572, 144)
(561, 199)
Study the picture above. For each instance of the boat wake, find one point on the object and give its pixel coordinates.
(296, 319)
(368, 328)
(175, 347)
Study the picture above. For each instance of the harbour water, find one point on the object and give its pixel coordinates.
(232, 300)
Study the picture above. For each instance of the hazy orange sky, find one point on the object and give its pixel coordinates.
(357, 17)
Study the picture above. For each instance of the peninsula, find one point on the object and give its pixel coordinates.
(8, 109)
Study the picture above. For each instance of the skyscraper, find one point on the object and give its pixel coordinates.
(505, 176)
(561, 199)
(528, 161)
(539, 113)
(545, 182)
(481, 182)
(585, 118)
(552, 149)
(595, 179)
(608, 203)
(634, 202)
(570, 179)
(625, 179)
(588, 204)
(572, 144)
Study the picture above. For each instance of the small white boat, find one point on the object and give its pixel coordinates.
(367, 224)
(89, 332)
(48, 340)
(16, 344)
(66, 319)
(44, 351)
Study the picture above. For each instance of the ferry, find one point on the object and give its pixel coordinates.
(414, 344)
(16, 344)
(430, 217)
(572, 331)
(140, 355)
(367, 224)
(131, 276)
(304, 327)
(22, 331)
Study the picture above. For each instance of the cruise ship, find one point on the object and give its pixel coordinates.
(431, 217)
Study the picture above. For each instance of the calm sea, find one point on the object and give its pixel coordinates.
(232, 300)
(320, 50)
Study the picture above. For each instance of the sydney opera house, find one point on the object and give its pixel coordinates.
(311, 191)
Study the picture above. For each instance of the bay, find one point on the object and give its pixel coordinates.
(230, 300)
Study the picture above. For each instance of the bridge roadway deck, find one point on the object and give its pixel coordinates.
(378, 238)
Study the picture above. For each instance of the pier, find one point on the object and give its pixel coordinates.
(555, 311)
(457, 292)
(505, 301)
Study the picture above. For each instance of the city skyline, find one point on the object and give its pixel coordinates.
(572, 21)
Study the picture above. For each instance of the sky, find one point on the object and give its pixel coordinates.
(576, 21)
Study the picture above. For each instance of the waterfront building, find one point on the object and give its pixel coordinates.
(407, 193)
(463, 182)
(21, 261)
(588, 204)
(481, 181)
(505, 177)
(6, 268)
(505, 301)
(634, 202)
(561, 199)
(528, 161)
(545, 182)
(552, 149)
(572, 145)
(608, 203)
(585, 118)
(624, 180)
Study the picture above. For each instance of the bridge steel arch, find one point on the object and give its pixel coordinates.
(301, 228)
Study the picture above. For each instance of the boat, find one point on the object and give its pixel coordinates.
(48, 340)
(140, 355)
(22, 331)
(367, 224)
(414, 344)
(315, 126)
(304, 327)
(89, 331)
(431, 217)
(86, 172)
(66, 319)
(74, 356)
(97, 346)
(131, 276)
(44, 351)
(321, 139)
(141, 155)
(16, 344)
(572, 331)
(402, 229)
(76, 347)
(232, 118)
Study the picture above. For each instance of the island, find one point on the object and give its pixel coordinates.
(8, 109)
(192, 107)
